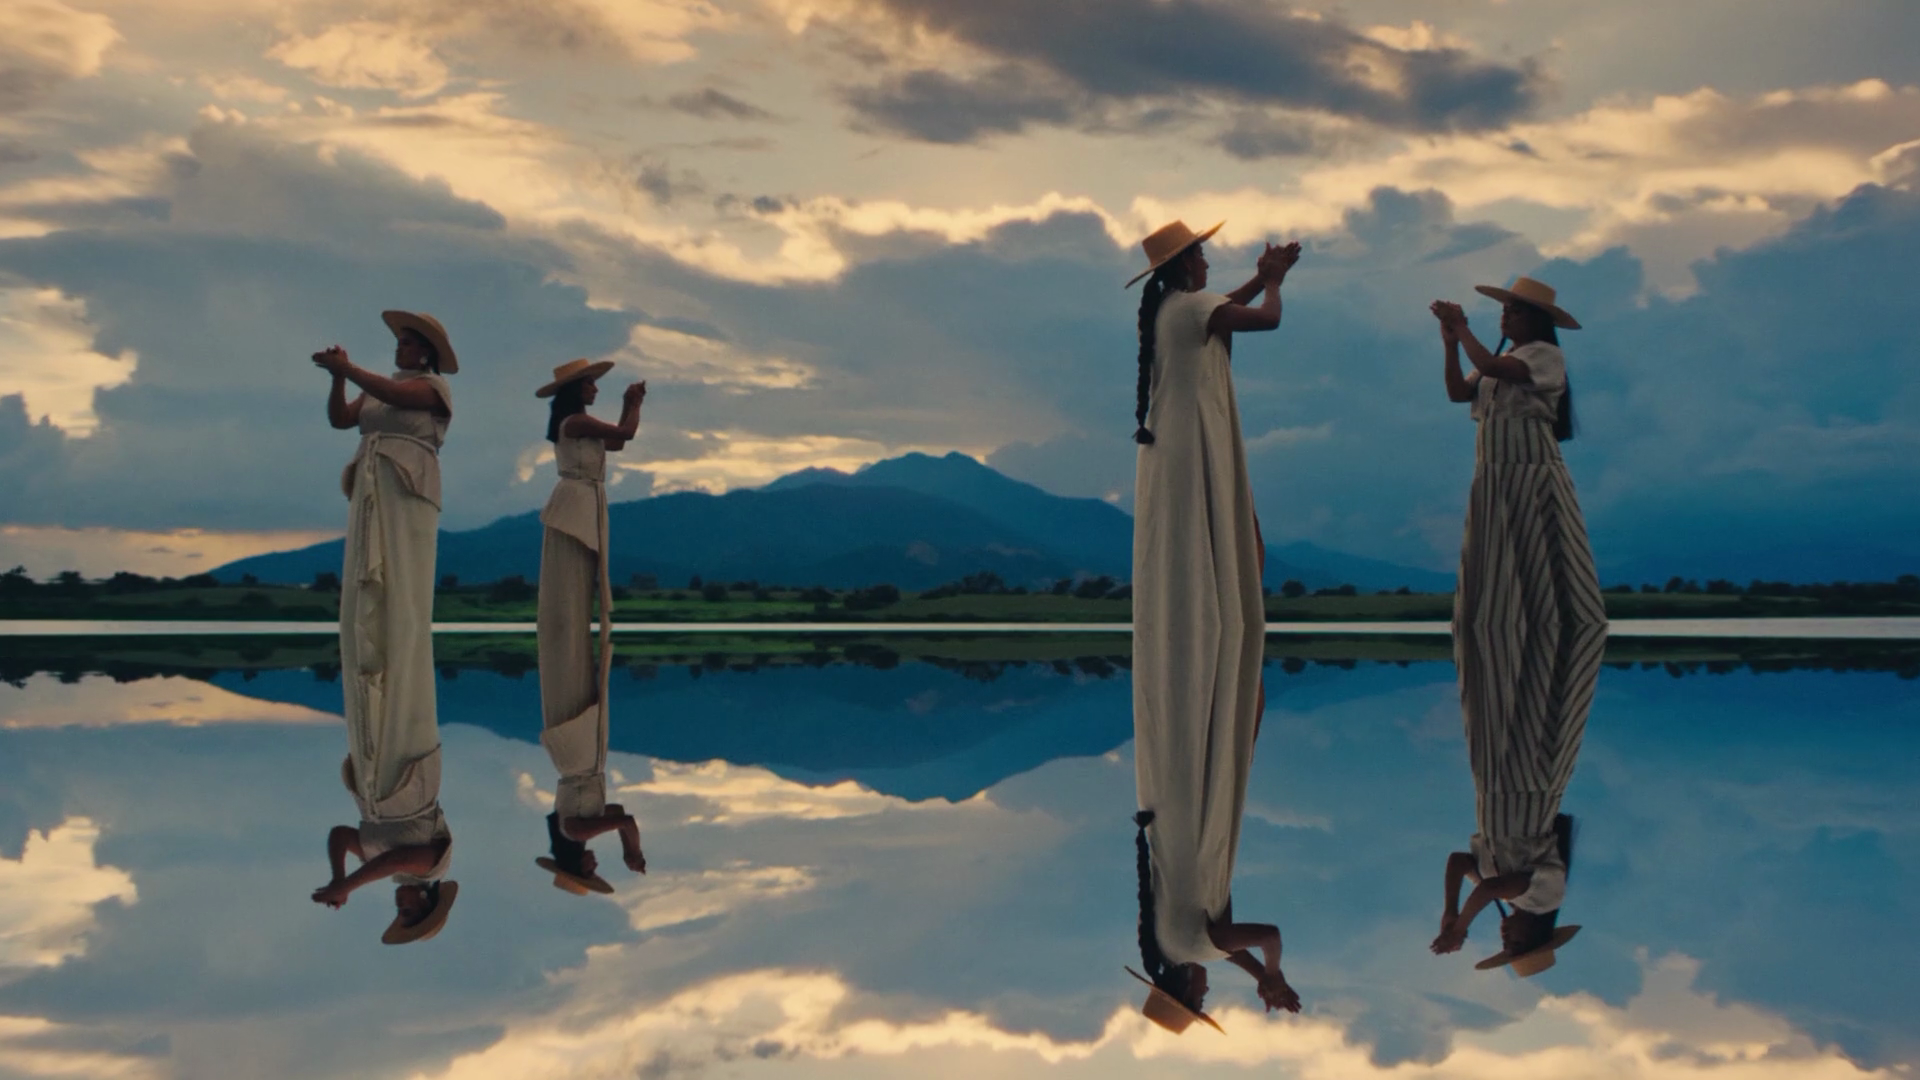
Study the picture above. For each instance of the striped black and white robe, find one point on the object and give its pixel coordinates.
(1529, 625)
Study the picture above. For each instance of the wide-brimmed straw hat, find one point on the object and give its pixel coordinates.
(1533, 961)
(573, 371)
(1170, 1012)
(577, 884)
(1165, 244)
(399, 933)
(1528, 291)
(427, 327)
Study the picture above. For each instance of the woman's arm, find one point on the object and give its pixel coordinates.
(1505, 368)
(1235, 317)
(1454, 926)
(616, 436)
(401, 394)
(341, 413)
(1459, 387)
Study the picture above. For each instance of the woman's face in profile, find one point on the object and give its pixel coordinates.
(1196, 261)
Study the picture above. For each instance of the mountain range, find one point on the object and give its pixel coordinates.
(914, 521)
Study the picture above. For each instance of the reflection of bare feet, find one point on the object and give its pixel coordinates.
(1452, 936)
(636, 861)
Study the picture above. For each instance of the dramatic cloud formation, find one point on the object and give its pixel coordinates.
(48, 894)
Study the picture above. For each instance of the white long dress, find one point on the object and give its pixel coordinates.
(573, 671)
(1199, 626)
(386, 622)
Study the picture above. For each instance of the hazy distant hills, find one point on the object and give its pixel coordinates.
(915, 521)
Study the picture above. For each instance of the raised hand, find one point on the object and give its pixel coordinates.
(635, 392)
(332, 360)
(1274, 262)
(1276, 994)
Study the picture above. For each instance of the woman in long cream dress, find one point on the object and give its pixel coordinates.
(1199, 624)
(1529, 624)
(574, 667)
(392, 485)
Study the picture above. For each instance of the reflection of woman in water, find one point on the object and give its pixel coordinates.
(386, 625)
(1529, 624)
(1175, 945)
(1199, 620)
(573, 671)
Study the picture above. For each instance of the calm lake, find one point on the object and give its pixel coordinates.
(907, 857)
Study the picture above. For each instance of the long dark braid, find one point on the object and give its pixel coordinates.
(1543, 330)
(1171, 276)
(1168, 976)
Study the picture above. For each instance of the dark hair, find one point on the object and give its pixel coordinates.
(569, 400)
(1540, 328)
(1170, 276)
(1167, 975)
(567, 852)
(432, 889)
(1538, 927)
(433, 353)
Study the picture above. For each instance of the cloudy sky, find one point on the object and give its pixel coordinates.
(1741, 834)
(830, 231)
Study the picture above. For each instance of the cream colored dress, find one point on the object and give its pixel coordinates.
(573, 666)
(1199, 626)
(386, 622)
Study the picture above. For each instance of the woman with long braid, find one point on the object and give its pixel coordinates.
(1199, 618)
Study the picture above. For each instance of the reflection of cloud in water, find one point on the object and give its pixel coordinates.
(99, 701)
(670, 899)
(31, 1046)
(811, 1024)
(736, 794)
(47, 895)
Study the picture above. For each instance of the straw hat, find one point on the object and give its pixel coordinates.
(1165, 244)
(399, 933)
(1533, 961)
(573, 371)
(1168, 1011)
(1528, 291)
(577, 884)
(427, 327)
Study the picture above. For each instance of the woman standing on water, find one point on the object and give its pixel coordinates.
(1529, 623)
(573, 672)
(1199, 624)
(392, 486)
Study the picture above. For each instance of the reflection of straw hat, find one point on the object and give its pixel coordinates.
(1528, 291)
(1533, 961)
(573, 371)
(577, 884)
(399, 933)
(427, 327)
(1165, 244)
(1168, 1011)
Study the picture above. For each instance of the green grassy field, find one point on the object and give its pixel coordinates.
(286, 603)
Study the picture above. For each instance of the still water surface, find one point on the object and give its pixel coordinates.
(912, 867)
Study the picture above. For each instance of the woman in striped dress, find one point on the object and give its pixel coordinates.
(1529, 624)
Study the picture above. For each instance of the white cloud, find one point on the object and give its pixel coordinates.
(737, 794)
(663, 899)
(44, 43)
(659, 354)
(47, 355)
(99, 552)
(366, 55)
(100, 701)
(736, 459)
(47, 896)
(31, 1046)
(1290, 436)
(813, 1025)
